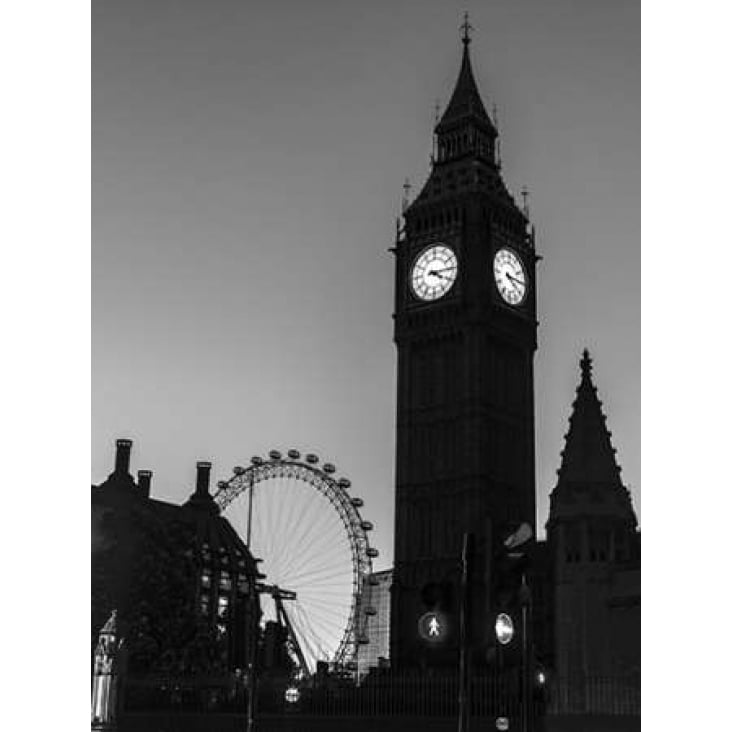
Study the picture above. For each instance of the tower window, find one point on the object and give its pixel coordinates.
(572, 546)
(225, 581)
(223, 605)
(206, 578)
(621, 546)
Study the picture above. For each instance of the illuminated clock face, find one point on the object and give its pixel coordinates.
(434, 272)
(510, 276)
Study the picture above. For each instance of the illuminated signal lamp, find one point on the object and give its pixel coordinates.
(504, 628)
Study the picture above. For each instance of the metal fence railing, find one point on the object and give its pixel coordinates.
(388, 695)
(607, 695)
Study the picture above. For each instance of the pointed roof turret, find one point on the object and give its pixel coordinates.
(589, 476)
(588, 454)
(465, 101)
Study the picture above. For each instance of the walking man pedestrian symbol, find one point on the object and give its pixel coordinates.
(433, 627)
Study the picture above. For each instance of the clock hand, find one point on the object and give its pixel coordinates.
(514, 279)
(439, 272)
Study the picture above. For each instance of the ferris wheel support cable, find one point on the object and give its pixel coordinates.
(313, 644)
(294, 566)
(314, 538)
(290, 518)
(327, 545)
(316, 639)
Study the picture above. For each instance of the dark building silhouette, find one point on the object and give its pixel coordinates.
(465, 333)
(179, 577)
(594, 547)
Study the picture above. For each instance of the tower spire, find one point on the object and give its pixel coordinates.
(466, 28)
(465, 128)
(588, 459)
(465, 101)
(588, 452)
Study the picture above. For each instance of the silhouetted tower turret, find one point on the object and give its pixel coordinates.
(592, 533)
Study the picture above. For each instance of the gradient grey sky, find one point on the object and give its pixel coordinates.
(247, 168)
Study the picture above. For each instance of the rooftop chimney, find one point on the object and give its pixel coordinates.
(143, 481)
(203, 475)
(122, 459)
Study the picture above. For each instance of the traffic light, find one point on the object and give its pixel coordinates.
(509, 593)
(435, 624)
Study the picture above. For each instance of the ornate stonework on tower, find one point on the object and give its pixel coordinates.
(105, 683)
(465, 333)
(595, 548)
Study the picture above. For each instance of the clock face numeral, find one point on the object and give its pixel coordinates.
(510, 276)
(434, 272)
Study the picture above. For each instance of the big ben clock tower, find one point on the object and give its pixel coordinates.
(465, 332)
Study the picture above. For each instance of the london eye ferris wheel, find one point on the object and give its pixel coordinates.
(301, 521)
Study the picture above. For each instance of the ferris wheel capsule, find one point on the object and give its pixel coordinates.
(371, 611)
(293, 454)
(256, 460)
(238, 470)
(312, 459)
(344, 483)
(222, 484)
(371, 552)
(275, 454)
(363, 640)
(357, 502)
(367, 525)
(329, 467)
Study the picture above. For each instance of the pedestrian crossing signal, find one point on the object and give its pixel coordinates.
(433, 627)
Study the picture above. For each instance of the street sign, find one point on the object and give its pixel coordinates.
(432, 627)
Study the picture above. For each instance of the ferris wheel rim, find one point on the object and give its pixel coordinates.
(336, 491)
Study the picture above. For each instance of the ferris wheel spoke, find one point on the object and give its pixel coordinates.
(326, 596)
(315, 650)
(324, 565)
(313, 635)
(298, 550)
(315, 537)
(329, 563)
(328, 616)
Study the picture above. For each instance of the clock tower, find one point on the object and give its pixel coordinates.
(465, 332)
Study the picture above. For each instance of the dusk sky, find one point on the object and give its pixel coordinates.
(247, 169)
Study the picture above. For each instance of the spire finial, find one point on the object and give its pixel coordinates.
(525, 203)
(586, 364)
(407, 187)
(466, 28)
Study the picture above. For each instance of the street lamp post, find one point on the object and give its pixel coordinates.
(464, 679)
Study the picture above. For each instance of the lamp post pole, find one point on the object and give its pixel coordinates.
(464, 680)
(525, 600)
